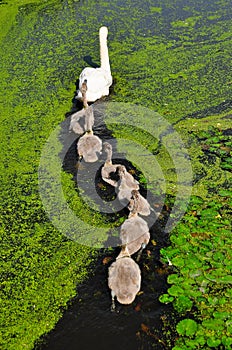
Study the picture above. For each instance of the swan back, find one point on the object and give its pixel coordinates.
(98, 79)
(126, 184)
(124, 279)
(138, 204)
(99, 82)
(133, 233)
(75, 125)
(89, 147)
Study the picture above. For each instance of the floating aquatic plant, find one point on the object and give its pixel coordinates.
(177, 65)
(202, 283)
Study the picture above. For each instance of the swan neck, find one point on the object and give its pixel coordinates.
(83, 92)
(84, 98)
(132, 214)
(89, 132)
(109, 156)
(88, 114)
(104, 54)
(124, 253)
(134, 210)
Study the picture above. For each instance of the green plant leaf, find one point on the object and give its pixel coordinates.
(213, 342)
(183, 303)
(175, 290)
(213, 324)
(174, 279)
(225, 193)
(221, 315)
(178, 261)
(199, 340)
(227, 341)
(165, 298)
(187, 327)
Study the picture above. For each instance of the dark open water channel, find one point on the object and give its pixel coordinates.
(88, 323)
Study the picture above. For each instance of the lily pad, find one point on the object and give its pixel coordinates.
(175, 291)
(213, 324)
(213, 342)
(174, 279)
(166, 298)
(227, 341)
(187, 327)
(183, 304)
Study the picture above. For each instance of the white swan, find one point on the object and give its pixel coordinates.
(126, 184)
(134, 232)
(109, 168)
(124, 279)
(98, 79)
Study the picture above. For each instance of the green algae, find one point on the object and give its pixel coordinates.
(38, 280)
(188, 22)
(9, 12)
(176, 65)
(155, 9)
(208, 173)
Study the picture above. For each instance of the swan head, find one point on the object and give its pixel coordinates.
(132, 214)
(134, 203)
(135, 194)
(121, 170)
(84, 87)
(107, 146)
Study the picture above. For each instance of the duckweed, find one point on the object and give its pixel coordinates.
(172, 58)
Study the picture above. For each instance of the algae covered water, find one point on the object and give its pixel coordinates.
(174, 59)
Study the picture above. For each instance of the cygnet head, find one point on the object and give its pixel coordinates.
(121, 170)
(134, 207)
(135, 194)
(84, 86)
(107, 147)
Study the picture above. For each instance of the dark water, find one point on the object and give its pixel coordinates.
(89, 323)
